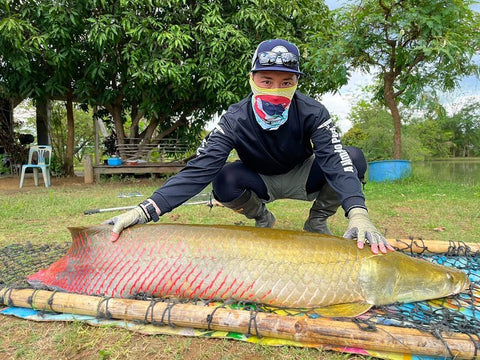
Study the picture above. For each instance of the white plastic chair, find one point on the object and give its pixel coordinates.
(44, 156)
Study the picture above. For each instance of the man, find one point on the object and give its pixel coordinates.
(288, 148)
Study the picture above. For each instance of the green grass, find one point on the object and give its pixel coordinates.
(406, 208)
(402, 209)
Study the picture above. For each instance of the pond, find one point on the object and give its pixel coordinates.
(458, 171)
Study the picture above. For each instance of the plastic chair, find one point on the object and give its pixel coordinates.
(43, 157)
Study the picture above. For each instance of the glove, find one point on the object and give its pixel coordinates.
(141, 214)
(361, 227)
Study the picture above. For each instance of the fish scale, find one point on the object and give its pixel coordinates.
(274, 267)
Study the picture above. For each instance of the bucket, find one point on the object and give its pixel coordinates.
(389, 170)
(114, 161)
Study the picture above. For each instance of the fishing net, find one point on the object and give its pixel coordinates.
(455, 314)
(17, 261)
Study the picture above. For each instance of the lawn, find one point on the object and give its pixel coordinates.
(409, 208)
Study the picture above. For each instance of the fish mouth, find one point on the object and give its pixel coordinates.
(462, 286)
(466, 285)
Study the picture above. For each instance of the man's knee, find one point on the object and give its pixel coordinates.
(234, 179)
(231, 181)
(359, 161)
(224, 184)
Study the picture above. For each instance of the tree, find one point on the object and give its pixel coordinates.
(176, 63)
(425, 124)
(464, 126)
(434, 139)
(168, 64)
(409, 45)
(41, 54)
(10, 143)
(372, 132)
(59, 134)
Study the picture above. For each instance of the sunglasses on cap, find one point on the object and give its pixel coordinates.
(288, 59)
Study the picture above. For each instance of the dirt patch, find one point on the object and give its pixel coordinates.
(9, 183)
(24, 339)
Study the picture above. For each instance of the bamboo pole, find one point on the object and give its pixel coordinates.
(432, 246)
(320, 331)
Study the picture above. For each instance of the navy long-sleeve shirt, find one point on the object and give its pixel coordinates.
(308, 130)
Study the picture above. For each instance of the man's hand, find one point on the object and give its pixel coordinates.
(361, 228)
(141, 214)
(130, 218)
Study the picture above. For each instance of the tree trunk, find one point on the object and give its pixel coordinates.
(397, 122)
(115, 110)
(180, 122)
(6, 116)
(135, 116)
(43, 110)
(69, 170)
(6, 124)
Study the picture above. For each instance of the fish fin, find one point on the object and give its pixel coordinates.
(88, 230)
(343, 310)
(76, 229)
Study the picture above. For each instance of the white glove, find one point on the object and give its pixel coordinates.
(141, 214)
(361, 228)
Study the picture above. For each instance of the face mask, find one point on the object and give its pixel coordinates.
(270, 106)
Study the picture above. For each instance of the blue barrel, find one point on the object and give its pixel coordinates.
(389, 170)
(114, 161)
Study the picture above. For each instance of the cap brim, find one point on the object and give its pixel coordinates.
(276, 68)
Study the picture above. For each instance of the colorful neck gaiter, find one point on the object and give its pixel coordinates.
(270, 106)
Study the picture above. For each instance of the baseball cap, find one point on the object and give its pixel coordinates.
(276, 55)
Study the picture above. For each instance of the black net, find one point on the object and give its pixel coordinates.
(454, 314)
(17, 261)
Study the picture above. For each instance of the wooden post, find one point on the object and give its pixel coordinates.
(88, 171)
(419, 246)
(321, 331)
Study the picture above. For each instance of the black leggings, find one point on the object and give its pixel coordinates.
(235, 178)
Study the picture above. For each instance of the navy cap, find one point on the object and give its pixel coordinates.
(278, 46)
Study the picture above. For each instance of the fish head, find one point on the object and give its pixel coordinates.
(400, 278)
(434, 282)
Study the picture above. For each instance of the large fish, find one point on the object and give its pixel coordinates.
(279, 268)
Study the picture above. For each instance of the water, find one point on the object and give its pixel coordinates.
(458, 171)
